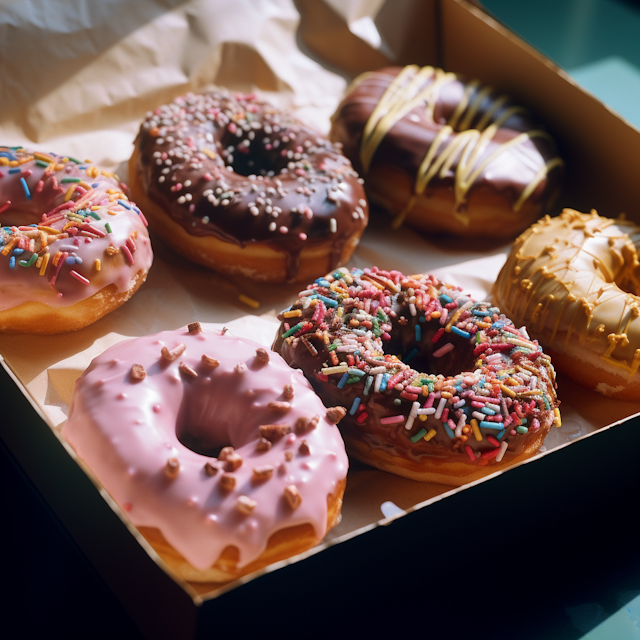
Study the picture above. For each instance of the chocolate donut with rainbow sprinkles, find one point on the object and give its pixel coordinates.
(468, 394)
(73, 247)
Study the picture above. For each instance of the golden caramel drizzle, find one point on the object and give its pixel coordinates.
(455, 141)
(401, 97)
(564, 277)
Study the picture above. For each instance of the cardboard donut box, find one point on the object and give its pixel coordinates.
(490, 552)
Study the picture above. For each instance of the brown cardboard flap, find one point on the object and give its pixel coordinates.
(600, 148)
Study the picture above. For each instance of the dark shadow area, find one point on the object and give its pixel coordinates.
(49, 588)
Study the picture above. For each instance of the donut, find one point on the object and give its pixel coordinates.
(236, 185)
(72, 245)
(446, 155)
(435, 386)
(220, 454)
(574, 279)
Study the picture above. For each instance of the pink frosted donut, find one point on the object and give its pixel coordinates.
(72, 246)
(219, 452)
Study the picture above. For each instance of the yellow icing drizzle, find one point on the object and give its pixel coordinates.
(456, 141)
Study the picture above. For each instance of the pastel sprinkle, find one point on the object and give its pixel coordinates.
(503, 448)
(421, 434)
(25, 188)
(496, 426)
(79, 276)
(293, 330)
(248, 301)
(430, 434)
(460, 332)
(443, 350)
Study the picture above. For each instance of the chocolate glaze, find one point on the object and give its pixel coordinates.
(241, 170)
(407, 142)
(474, 332)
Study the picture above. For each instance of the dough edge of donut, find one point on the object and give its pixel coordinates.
(588, 369)
(432, 210)
(282, 544)
(34, 317)
(447, 473)
(257, 261)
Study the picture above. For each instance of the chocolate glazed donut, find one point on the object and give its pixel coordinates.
(445, 155)
(470, 393)
(241, 187)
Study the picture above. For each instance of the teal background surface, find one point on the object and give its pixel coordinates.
(596, 41)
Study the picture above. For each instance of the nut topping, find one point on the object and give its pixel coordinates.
(292, 496)
(335, 414)
(246, 505)
(276, 405)
(187, 370)
(138, 372)
(274, 432)
(210, 469)
(231, 458)
(172, 354)
(260, 474)
(227, 481)
(209, 362)
(172, 468)
(304, 448)
(263, 445)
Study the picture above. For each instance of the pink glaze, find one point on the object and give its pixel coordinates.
(32, 187)
(126, 430)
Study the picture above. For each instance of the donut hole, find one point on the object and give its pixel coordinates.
(419, 353)
(614, 256)
(207, 422)
(199, 443)
(255, 152)
(195, 428)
